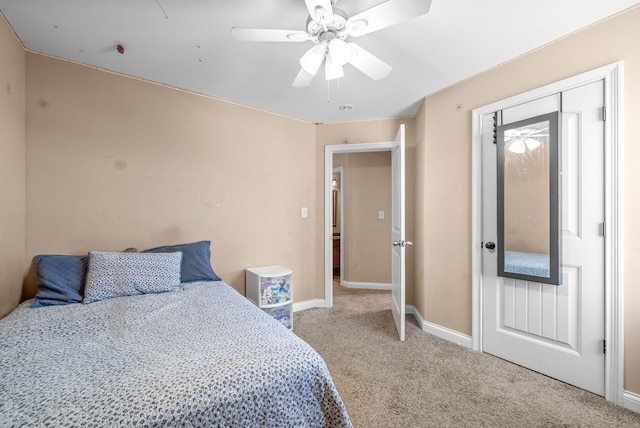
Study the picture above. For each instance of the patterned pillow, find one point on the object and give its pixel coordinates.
(129, 274)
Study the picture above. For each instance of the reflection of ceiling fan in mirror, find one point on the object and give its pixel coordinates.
(521, 140)
(328, 28)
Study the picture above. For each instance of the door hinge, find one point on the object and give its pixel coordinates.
(602, 230)
(604, 113)
(604, 346)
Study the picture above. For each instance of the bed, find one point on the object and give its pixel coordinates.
(198, 355)
(534, 264)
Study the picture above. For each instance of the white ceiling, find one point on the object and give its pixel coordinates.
(192, 49)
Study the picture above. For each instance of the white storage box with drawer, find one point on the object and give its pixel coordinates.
(271, 289)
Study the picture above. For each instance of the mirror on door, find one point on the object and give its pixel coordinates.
(529, 199)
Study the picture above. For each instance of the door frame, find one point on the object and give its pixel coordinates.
(612, 75)
(329, 151)
(339, 171)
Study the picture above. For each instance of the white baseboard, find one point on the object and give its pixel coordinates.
(308, 304)
(367, 285)
(631, 401)
(437, 330)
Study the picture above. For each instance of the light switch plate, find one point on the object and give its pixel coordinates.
(381, 215)
(304, 213)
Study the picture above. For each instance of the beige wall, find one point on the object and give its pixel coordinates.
(12, 168)
(366, 187)
(372, 131)
(115, 162)
(445, 153)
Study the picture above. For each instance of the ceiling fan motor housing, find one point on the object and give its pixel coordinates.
(335, 28)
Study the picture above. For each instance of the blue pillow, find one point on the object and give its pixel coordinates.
(61, 279)
(196, 260)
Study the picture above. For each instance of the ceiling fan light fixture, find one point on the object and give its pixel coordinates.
(312, 59)
(517, 146)
(532, 144)
(340, 51)
(332, 70)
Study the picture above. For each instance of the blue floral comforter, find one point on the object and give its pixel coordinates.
(202, 356)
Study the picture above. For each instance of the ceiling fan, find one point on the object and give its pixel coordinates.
(521, 140)
(328, 28)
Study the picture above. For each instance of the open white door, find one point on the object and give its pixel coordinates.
(397, 220)
(398, 232)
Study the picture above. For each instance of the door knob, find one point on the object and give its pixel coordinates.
(402, 243)
(490, 245)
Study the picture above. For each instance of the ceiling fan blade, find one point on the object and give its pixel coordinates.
(320, 10)
(302, 79)
(368, 63)
(386, 14)
(267, 35)
(536, 131)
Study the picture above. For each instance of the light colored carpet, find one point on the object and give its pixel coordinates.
(429, 382)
